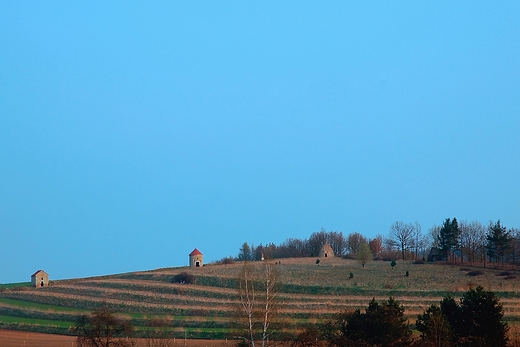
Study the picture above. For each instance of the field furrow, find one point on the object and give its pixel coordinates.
(309, 294)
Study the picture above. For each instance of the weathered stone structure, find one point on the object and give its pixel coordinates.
(196, 258)
(326, 250)
(40, 279)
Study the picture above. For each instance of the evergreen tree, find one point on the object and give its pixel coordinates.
(448, 238)
(481, 319)
(498, 242)
(245, 252)
(435, 327)
(382, 324)
(476, 321)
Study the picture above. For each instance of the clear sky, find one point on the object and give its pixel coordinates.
(132, 132)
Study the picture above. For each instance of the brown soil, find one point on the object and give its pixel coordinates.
(9, 338)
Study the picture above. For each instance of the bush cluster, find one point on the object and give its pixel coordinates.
(184, 278)
(475, 321)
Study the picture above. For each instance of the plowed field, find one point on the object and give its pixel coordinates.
(311, 293)
(10, 338)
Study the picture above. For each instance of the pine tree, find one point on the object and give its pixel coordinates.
(498, 242)
(245, 252)
(382, 324)
(435, 327)
(476, 321)
(448, 238)
(481, 319)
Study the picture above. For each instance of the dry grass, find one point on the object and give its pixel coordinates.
(312, 292)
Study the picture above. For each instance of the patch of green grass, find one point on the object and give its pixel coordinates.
(15, 285)
(310, 294)
(37, 306)
(32, 321)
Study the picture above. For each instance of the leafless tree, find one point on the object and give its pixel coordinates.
(159, 334)
(293, 248)
(258, 291)
(316, 241)
(353, 242)
(335, 238)
(418, 241)
(402, 234)
(248, 297)
(337, 241)
(391, 247)
(433, 236)
(472, 236)
(514, 247)
(464, 241)
(103, 328)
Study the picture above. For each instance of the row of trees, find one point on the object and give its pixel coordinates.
(474, 321)
(473, 242)
(295, 248)
(451, 241)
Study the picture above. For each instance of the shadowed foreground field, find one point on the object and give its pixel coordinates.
(10, 338)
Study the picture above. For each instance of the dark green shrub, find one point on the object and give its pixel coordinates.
(184, 278)
(381, 324)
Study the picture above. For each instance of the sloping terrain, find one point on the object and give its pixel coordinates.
(310, 293)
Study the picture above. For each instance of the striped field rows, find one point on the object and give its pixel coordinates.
(212, 301)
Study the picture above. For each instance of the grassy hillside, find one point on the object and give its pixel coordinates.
(311, 293)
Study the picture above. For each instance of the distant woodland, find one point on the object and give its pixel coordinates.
(452, 241)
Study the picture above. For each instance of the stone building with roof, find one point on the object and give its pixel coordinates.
(196, 258)
(326, 250)
(40, 279)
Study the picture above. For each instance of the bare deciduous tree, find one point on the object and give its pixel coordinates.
(337, 241)
(472, 236)
(514, 248)
(353, 242)
(316, 241)
(418, 242)
(103, 328)
(402, 234)
(258, 290)
(433, 236)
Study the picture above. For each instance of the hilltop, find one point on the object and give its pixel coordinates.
(311, 293)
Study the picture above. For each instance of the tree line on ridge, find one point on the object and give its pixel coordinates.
(451, 241)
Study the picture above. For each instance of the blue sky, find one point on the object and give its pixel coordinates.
(131, 133)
